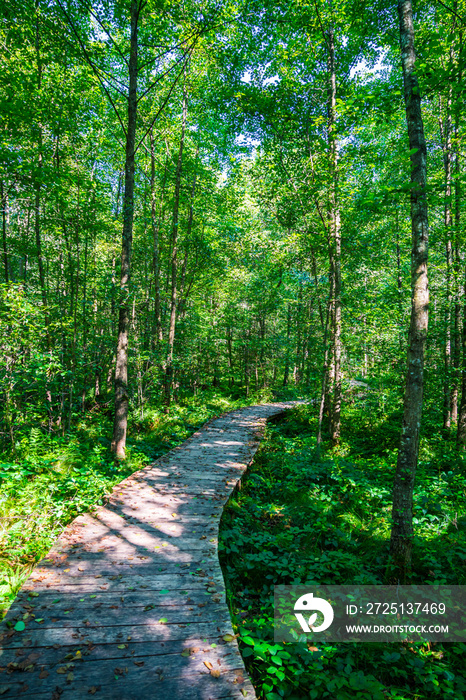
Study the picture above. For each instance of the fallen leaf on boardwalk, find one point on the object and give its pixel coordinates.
(203, 537)
(164, 544)
(244, 692)
(62, 669)
(138, 663)
(189, 651)
(163, 620)
(229, 637)
(174, 515)
(4, 689)
(20, 626)
(43, 674)
(215, 673)
(70, 677)
(92, 690)
(208, 664)
(122, 646)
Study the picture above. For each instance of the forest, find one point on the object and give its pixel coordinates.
(210, 204)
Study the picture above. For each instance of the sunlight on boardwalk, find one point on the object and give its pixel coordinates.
(130, 602)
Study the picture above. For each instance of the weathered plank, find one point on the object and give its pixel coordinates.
(136, 586)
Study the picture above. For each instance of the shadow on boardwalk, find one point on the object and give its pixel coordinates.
(130, 602)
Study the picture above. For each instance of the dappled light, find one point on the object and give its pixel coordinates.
(130, 591)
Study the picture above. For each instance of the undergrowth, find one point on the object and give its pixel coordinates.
(49, 479)
(304, 519)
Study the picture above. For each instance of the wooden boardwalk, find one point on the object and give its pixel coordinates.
(130, 602)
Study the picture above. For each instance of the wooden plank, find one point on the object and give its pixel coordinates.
(138, 581)
(110, 635)
(140, 683)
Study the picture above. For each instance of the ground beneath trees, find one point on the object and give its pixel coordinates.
(131, 599)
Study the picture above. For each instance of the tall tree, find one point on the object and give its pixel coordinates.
(401, 540)
(121, 365)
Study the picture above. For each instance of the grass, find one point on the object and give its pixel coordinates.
(304, 519)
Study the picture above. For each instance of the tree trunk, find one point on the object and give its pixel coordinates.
(121, 365)
(155, 236)
(334, 245)
(174, 261)
(461, 430)
(323, 392)
(4, 201)
(286, 373)
(402, 513)
(445, 132)
(37, 187)
(456, 350)
(297, 372)
(189, 227)
(399, 281)
(457, 338)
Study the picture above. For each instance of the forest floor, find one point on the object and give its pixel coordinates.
(131, 597)
(305, 518)
(265, 534)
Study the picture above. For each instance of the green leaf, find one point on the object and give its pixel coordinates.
(248, 640)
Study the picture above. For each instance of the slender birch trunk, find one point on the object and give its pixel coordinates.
(334, 244)
(174, 261)
(401, 541)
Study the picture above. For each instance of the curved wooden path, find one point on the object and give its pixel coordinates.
(130, 602)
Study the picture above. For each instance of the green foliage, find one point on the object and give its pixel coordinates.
(303, 519)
